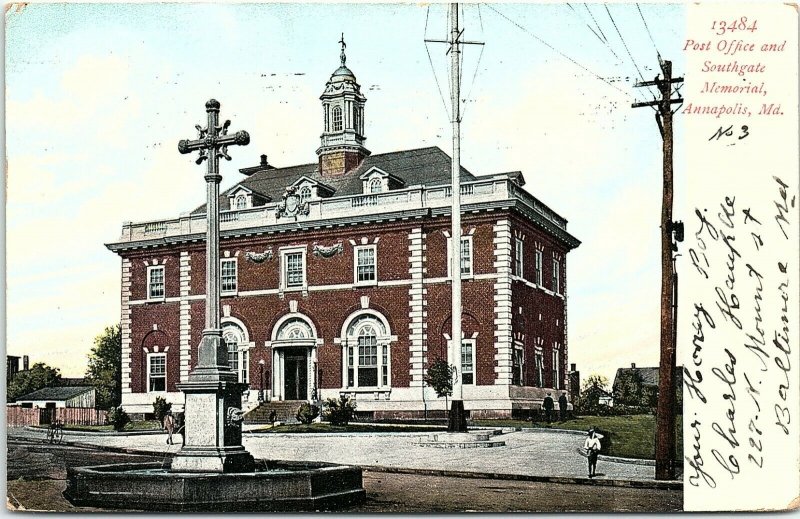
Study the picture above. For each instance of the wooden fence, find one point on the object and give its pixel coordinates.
(20, 417)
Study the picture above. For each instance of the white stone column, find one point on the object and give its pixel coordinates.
(125, 326)
(185, 315)
(503, 349)
(417, 307)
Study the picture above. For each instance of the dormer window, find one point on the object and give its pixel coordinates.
(337, 119)
(375, 180)
(241, 202)
(240, 197)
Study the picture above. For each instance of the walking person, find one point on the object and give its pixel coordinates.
(169, 426)
(592, 446)
(548, 405)
(562, 406)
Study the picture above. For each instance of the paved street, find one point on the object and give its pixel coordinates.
(529, 453)
(36, 473)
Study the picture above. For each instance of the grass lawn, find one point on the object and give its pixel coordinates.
(631, 436)
(143, 425)
(323, 427)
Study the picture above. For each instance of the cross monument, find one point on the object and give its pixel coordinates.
(213, 433)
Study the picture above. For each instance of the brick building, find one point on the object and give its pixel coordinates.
(335, 281)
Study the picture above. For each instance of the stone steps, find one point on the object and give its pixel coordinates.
(285, 411)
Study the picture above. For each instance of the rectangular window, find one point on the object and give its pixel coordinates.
(468, 361)
(466, 256)
(385, 365)
(157, 372)
(539, 368)
(518, 367)
(556, 276)
(229, 275)
(556, 370)
(244, 375)
(367, 362)
(518, 257)
(366, 264)
(155, 282)
(538, 268)
(294, 275)
(233, 356)
(350, 367)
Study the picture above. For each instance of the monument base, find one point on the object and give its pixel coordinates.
(223, 459)
(457, 419)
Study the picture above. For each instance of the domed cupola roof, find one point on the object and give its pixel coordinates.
(342, 80)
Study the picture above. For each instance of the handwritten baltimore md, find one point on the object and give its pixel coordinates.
(738, 281)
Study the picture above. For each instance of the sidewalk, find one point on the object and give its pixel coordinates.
(529, 455)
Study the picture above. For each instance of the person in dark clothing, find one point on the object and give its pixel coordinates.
(548, 406)
(562, 406)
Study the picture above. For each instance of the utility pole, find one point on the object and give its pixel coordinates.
(665, 413)
(457, 421)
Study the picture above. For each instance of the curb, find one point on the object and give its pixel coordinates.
(100, 433)
(564, 480)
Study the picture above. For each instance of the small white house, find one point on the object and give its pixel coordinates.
(56, 397)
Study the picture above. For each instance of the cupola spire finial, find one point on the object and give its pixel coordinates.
(342, 57)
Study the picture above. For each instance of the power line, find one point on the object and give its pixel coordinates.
(627, 49)
(595, 22)
(433, 69)
(648, 32)
(615, 87)
(477, 66)
(602, 40)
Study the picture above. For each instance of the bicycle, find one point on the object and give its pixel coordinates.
(56, 432)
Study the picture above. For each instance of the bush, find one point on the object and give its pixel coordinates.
(339, 412)
(306, 413)
(118, 418)
(160, 408)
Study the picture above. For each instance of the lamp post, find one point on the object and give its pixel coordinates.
(261, 392)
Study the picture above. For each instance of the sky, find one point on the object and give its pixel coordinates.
(98, 95)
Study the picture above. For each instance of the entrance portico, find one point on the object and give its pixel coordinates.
(294, 358)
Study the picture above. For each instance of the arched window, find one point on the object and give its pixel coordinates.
(337, 118)
(357, 120)
(238, 354)
(294, 329)
(375, 185)
(241, 202)
(305, 194)
(367, 353)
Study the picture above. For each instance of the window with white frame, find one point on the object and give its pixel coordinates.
(155, 282)
(367, 354)
(337, 119)
(304, 194)
(556, 276)
(241, 202)
(466, 256)
(539, 358)
(468, 361)
(518, 257)
(518, 366)
(293, 269)
(229, 275)
(238, 354)
(538, 268)
(156, 372)
(375, 185)
(556, 368)
(366, 264)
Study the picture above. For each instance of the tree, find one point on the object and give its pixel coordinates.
(629, 389)
(105, 367)
(40, 375)
(440, 378)
(594, 388)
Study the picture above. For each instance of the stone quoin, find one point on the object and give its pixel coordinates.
(334, 280)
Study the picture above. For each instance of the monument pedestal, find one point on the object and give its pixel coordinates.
(213, 435)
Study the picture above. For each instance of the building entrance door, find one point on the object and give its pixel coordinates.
(295, 374)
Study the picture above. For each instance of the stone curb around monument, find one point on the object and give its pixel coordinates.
(628, 483)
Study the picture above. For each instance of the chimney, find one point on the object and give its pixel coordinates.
(25, 363)
(573, 367)
(264, 160)
(633, 365)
